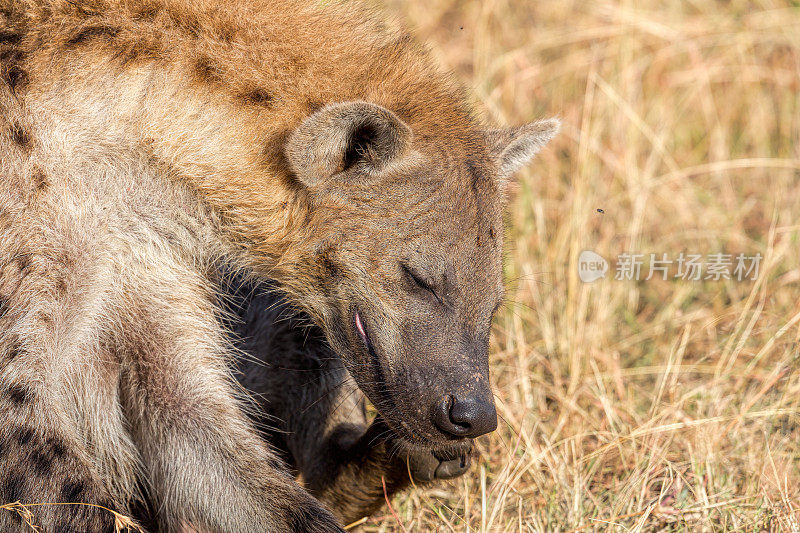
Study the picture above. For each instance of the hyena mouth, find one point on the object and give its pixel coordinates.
(362, 333)
(366, 341)
(457, 453)
(382, 398)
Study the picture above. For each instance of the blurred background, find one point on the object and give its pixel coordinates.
(635, 404)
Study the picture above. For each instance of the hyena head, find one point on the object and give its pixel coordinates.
(406, 259)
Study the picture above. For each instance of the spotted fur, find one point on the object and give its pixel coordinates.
(147, 144)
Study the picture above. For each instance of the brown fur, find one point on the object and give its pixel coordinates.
(147, 143)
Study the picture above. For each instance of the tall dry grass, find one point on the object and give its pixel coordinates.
(651, 405)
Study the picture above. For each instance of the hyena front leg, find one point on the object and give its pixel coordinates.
(57, 395)
(43, 468)
(204, 462)
(318, 416)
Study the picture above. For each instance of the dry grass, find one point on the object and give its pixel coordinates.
(652, 405)
(27, 513)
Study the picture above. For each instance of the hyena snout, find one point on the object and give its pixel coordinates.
(465, 415)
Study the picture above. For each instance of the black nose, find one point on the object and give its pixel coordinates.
(467, 416)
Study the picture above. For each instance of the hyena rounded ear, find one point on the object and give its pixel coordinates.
(342, 136)
(513, 148)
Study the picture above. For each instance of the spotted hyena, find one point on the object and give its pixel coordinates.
(149, 145)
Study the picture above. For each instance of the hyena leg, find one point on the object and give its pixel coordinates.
(63, 451)
(41, 464)
(205, 463)
(45, 459)
(318, 415)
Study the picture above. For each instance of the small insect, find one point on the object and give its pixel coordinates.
(600, 210)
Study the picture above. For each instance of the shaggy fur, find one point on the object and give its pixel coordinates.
(148, 144)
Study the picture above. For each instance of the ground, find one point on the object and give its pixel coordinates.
(650, 405)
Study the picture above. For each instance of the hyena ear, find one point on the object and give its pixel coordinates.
(346, 135)
(514, 148)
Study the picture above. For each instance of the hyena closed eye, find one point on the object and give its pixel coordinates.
(149, 144)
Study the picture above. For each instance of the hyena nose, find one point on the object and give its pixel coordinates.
(466, 416)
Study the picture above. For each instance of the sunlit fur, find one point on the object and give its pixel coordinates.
(143, 146)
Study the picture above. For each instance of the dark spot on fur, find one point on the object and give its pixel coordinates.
(20, 136)
(81, 518)
(138, 51)
(12, 487)
(91, 32)
(108, 525)
(24, 436)
(56, 447)
(3, 307)
(61, 285)
(12, 72)
(23, 262)
(331, 270)
(192, 27)
(313, 106)
(41, 462)
(299, 63)
(11, 55)
(259, 97)
(46, 317)
(19, 394)
(72, 491)
(206, 71)
(147, 12)
(491, 233)
(16, 77)
(185, 21)
(227, 33)
(14, 352)
(40, 180)
(9, 37)
(85, 9)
